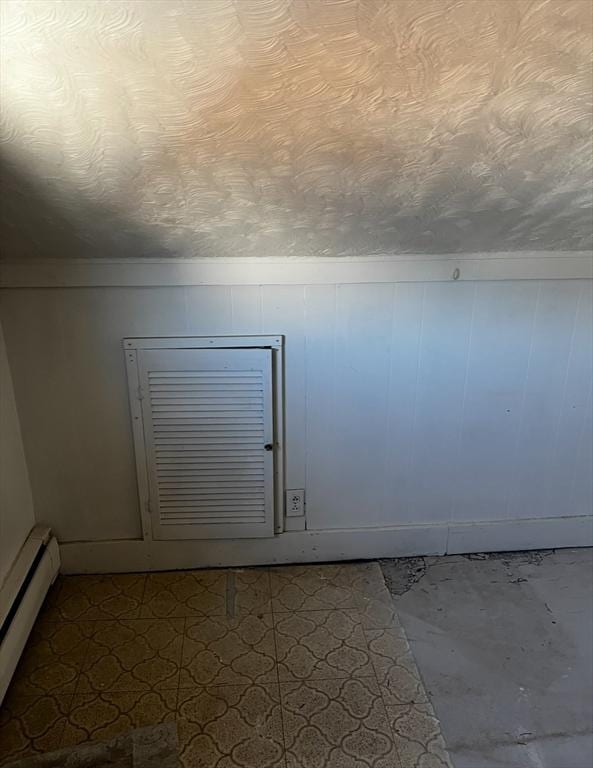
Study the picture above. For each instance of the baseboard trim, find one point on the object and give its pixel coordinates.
(330, 545)
(513, 535)
(523, 265)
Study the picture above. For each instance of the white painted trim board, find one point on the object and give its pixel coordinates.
(327, 546)
(71, 273)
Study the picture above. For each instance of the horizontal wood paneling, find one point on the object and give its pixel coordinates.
(406, 403)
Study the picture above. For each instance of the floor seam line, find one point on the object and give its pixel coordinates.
(146, 575)
(180, 662)
(85, 656)
(277, 665)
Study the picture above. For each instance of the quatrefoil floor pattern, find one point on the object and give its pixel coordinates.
(286, 667)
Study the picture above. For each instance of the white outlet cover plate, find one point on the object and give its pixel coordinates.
(295, 503)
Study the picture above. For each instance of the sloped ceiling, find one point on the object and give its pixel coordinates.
(144, 128)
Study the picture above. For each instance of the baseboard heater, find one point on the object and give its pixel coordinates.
(22, 595)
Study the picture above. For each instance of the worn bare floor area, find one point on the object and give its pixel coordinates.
(293, 667)
(504, 644)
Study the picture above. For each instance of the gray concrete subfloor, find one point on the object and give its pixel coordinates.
(504, 643)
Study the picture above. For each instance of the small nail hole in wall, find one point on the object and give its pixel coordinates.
(456, 274)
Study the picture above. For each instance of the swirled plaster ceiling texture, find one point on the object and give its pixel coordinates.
(295, 127)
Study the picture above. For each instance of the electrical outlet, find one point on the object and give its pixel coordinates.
(295, 503)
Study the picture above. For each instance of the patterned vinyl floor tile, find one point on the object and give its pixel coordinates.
(312, 588)
(175, 594)
(134, 655)
(336, 724)
(206, 593)
(377, 613)
(373, 599)
(222, 651)
(102, 716)
(53, 658)
(284, 667)
(250, 590)
(395, 667)
(31, 725)
(420, 743)
(231, 727)
(78, 598)
(321, 644)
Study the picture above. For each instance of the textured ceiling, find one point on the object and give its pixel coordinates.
(295, 127)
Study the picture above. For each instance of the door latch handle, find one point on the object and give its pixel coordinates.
(269, 447)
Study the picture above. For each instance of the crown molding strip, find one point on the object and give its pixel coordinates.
(75, 273)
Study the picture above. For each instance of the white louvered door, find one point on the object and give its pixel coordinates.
(208, 432)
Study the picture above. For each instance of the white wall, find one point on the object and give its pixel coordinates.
(16, 500)
(424, 405)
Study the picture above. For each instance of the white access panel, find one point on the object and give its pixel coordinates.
(209, 441)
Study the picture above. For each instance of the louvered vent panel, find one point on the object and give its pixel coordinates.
(208, 437)
(207, 418)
